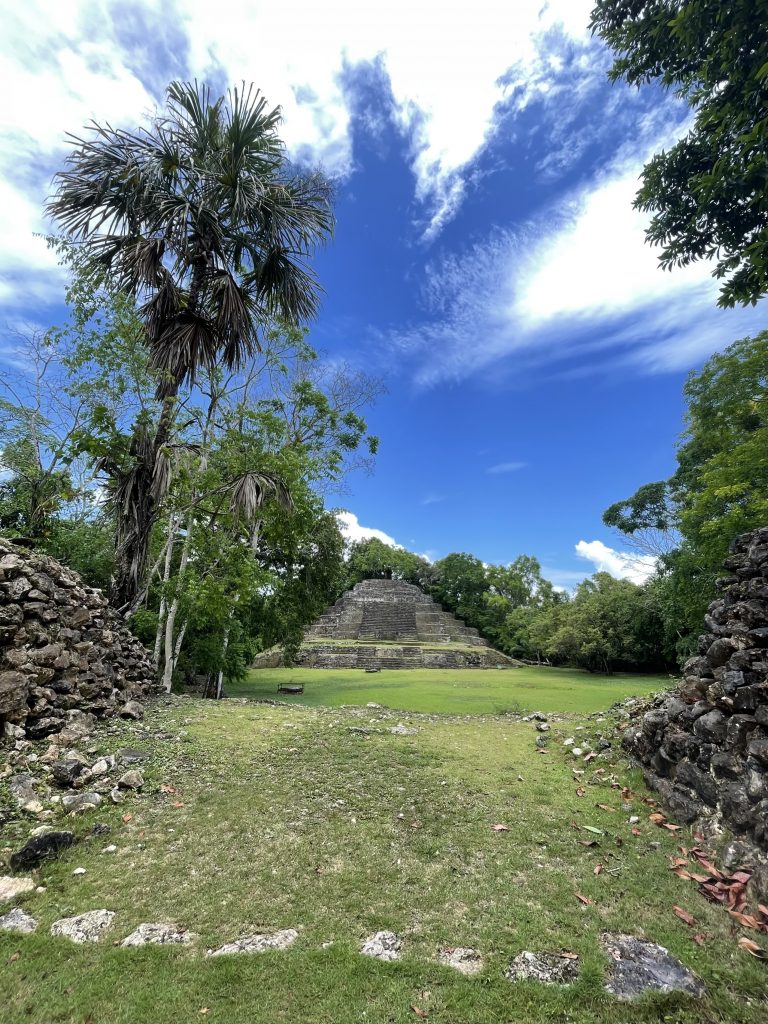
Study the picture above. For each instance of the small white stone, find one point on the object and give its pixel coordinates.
(382, 946)
(110, 849)
(577, 751)
(17, 920)
(12, 887)
(569, 742)
(86, 927)
(79, 871)
(634, 819)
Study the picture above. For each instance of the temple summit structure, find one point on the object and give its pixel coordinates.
(389, 624)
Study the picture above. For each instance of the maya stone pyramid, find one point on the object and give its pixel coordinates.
(389, 624)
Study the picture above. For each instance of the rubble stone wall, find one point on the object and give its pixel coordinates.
(704, 748)
(63, 650)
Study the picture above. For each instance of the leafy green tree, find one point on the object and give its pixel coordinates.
(459, 584)
(720, 488)
(707, 193)
(199, 216)
(372, 559)
(609, 624)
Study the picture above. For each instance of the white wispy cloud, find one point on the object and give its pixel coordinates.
(62, 65)
(506, 467)
(624, 565)
(577, 280)
(353, 530)
(432, 499)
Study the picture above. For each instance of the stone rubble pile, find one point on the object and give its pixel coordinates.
(64, 652)
(704, 748)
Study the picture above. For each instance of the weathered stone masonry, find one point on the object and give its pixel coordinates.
(705, 747)
(63, 650)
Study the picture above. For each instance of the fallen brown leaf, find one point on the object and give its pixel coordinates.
(606, 807)
(581, 791)
(583, 899)
(699, 938)
(499, 828)
(127, 817)
(177, 804)
(598, 869)
(636, 831)
(671, 827)
(685, 916)
(657, 818)
(752, 948)
(419, 1012)
(567, 955)
(167, 788)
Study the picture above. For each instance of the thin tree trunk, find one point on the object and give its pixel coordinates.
(170, 544)
(170, 622)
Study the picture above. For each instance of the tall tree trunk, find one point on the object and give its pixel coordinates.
(171, 649)
(139, 498)
(170, 544)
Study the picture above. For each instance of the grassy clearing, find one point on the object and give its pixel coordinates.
(292, 817)
(468, 691)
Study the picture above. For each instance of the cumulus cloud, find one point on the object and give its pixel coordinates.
(623, 565)
(353, 530)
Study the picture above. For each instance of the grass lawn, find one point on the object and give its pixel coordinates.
(299, 817)
(468, 691)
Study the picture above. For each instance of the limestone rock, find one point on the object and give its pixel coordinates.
(88, 927)
(81, 802)
(548, 968)
(461, 958)
(160, 934)
(39, 848)
(132, 779)
(10, 887)
(23, 791)
(132, 709)
(637, 966)
(382, 946)
(17, 920)
(402, 730)
(258, 943)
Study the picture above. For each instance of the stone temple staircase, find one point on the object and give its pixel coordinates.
(391, 624)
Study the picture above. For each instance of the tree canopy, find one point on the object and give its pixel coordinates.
(707, 194)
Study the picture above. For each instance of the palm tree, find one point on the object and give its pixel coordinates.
(200, 218)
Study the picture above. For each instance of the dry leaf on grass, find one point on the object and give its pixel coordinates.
(419, 1012)
(684, 916)
(606, 807)
(598, 869)
(636, 831)
(583, 899)
(166, 787)
(581, 791)
(657, 818)
(568, 955)
(752, 948)
(499, 828)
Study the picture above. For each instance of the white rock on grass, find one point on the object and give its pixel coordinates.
(382, 946)
(548, 968)
(87, 927)
(10, 887)
(461, 958)
(17, 920)
(160, 934)
(402, 730)
(258, 943)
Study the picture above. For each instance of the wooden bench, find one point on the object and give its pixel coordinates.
(290, 688)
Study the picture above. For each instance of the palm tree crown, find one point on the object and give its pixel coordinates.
(200, 217)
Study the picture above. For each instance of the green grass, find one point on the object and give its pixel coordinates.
(292, 817)
(469, 691)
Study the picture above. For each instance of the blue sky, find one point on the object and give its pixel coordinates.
(487, 261)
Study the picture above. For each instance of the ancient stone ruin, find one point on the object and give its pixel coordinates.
(64, 653)
(704, 748)
(389, 624)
